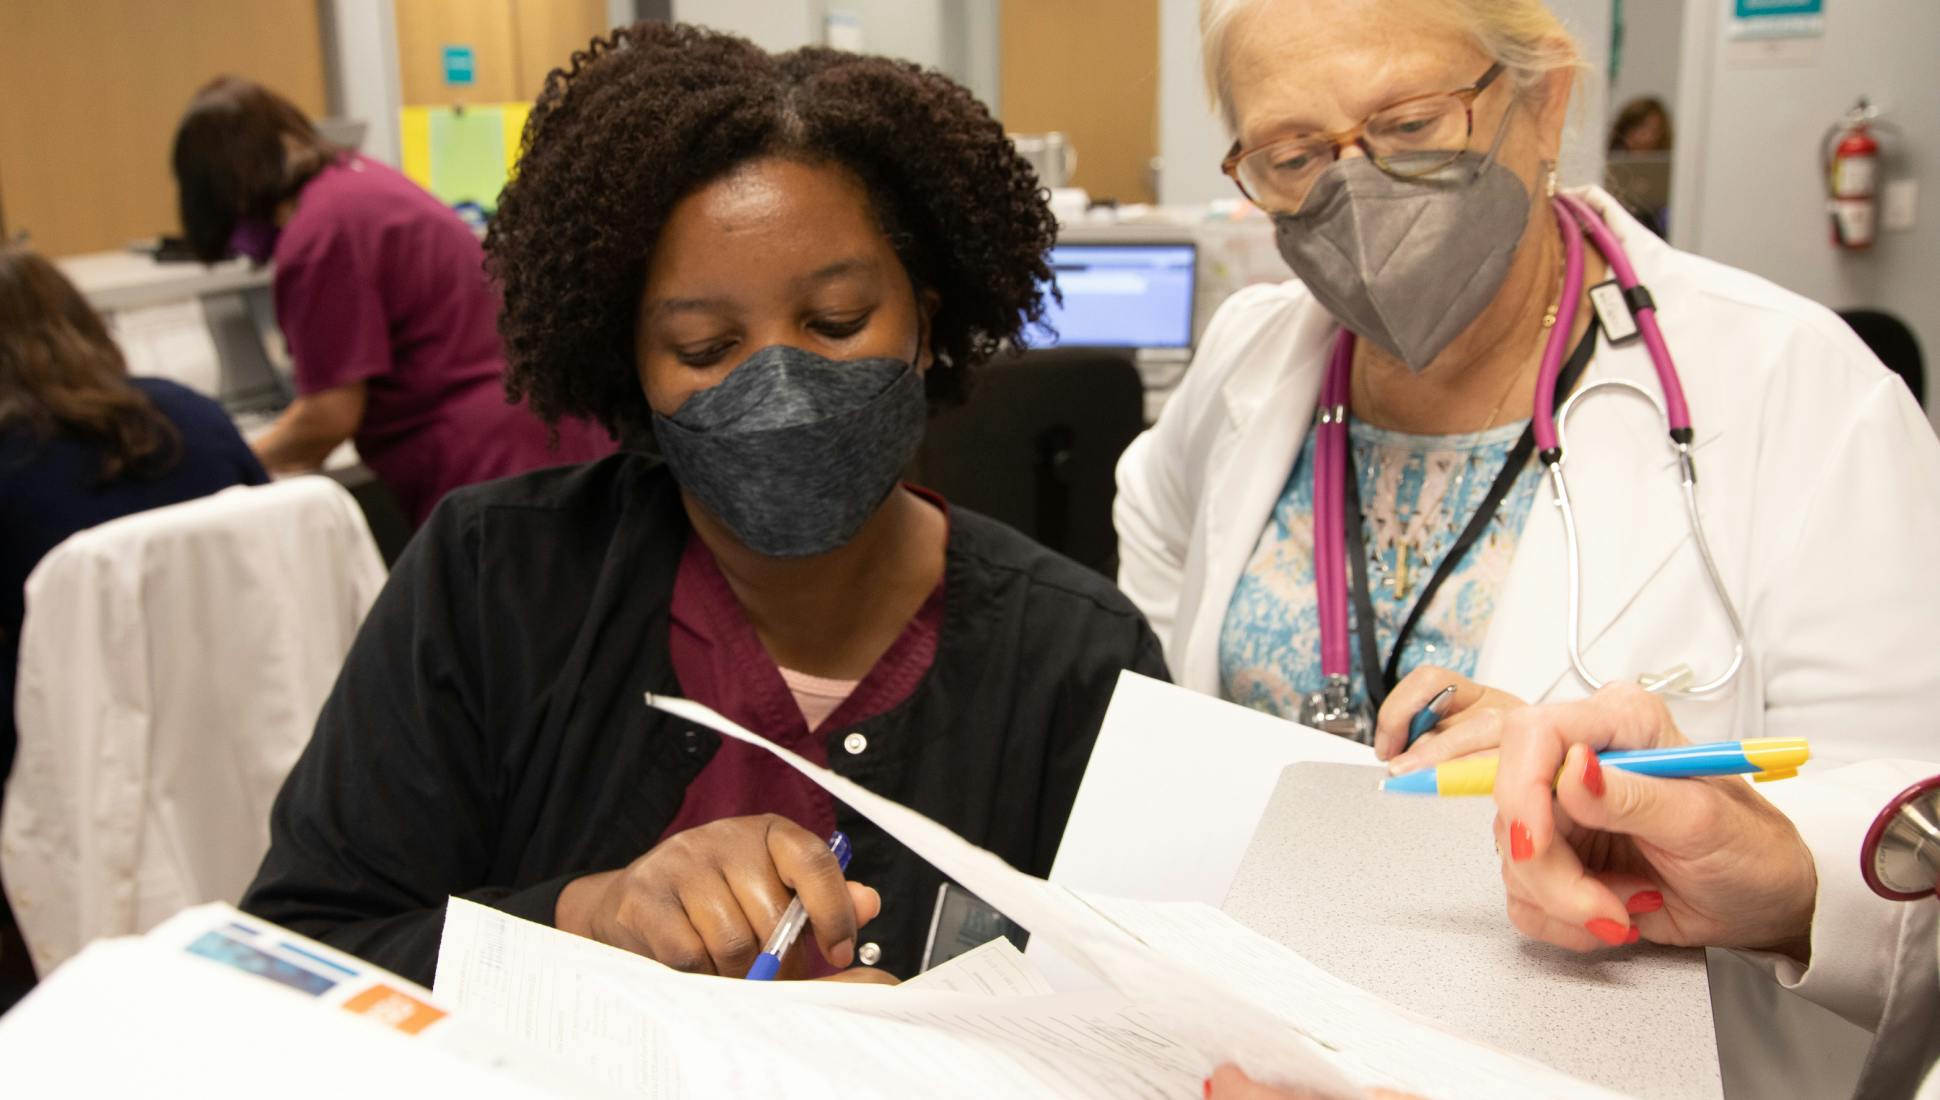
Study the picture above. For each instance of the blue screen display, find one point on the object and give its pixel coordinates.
(1120, 296)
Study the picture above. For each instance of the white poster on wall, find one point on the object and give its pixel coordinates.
(843, 30)
(1775, 33)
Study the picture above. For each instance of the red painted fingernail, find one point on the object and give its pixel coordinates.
(1208, 1088)
(1521, 847)
(1648, 901)
(1592, 774)
(1633, 937)
(1608, 931)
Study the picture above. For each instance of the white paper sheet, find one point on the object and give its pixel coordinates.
(1275, 1039)
(169, 341)
(994, 970)
(1165, 756)
(1377, 1042)
(214, 1003)
(644, 1029)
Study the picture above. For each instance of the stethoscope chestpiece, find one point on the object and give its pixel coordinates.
(1333, 710)
(1901, 854)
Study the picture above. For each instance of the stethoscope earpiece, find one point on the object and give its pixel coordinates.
(1900, 857)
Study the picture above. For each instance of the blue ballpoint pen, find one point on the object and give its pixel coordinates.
(793, 919)
(1426, 718)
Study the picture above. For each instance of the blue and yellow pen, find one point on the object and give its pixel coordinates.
(1764, 759)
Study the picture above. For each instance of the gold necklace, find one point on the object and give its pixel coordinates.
(1407, 553)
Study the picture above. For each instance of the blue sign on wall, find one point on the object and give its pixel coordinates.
(1774, 19)
(1755, 9)
(461, 68)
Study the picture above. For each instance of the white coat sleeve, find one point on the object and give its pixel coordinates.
(1847, 622)
(1855, 932)
(1163, 475)
(1153, 515)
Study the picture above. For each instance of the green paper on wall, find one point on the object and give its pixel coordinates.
(468, 155)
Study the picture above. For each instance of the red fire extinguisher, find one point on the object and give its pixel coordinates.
(1852, 178)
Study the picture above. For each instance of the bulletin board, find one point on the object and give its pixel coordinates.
(462, 154)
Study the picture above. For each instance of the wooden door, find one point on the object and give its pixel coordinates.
(515, 43)
(1088, 68)
(91, 91)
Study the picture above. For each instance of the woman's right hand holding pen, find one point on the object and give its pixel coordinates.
(1597, 857)
(705, 899)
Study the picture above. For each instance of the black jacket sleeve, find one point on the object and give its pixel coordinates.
(393, 805)
(1116, 643)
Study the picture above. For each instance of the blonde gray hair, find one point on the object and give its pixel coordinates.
(1524, 35)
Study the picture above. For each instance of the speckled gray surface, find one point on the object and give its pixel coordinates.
(1403, 897)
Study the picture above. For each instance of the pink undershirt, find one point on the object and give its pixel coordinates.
(818, 696)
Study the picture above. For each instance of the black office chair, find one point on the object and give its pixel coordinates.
(1894, 343)
(1037, 447)
(390, 527)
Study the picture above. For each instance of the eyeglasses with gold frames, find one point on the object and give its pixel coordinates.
(1409, 139)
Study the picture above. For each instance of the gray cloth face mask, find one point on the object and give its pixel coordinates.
(794, 452)
(1407, 263)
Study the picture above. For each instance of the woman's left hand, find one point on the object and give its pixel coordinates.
(1229, 1083)
(1473, 723)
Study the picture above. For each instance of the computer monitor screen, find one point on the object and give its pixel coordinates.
(1120, 296)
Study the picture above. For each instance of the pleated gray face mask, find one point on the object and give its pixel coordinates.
(794, 452)
(1407, 263)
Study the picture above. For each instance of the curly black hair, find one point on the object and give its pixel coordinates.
(646, 116)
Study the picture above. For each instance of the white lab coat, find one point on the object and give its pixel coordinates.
(1873, 960)
(172, 664)
(1818, 477)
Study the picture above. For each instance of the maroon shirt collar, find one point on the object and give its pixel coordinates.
(720, 661)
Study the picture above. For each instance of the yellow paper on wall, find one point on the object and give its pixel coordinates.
(468, 155)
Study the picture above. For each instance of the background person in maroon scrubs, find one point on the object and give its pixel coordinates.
(381, 293)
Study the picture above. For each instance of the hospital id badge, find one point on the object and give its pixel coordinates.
(962, 922)
(1614, 313)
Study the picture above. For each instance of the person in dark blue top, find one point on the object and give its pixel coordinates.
(81, 443)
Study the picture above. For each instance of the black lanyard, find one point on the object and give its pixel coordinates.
(1379, 685)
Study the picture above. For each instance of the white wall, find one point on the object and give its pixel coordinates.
(1653, 33)
(1192, 141)
(913, 30)
(970, 48)
(958, 37)
(770, 24)
(1747, 187)
(908, 29)
(1584, 132)
(361, 70)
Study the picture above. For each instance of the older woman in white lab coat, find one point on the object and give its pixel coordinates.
(1819, 479)
(1712, 862)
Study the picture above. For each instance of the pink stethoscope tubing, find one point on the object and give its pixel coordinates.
(1575, 219)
